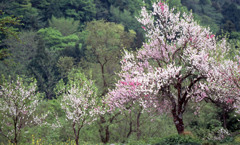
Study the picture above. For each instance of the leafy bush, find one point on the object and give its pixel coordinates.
(237, 139)
(178, 140)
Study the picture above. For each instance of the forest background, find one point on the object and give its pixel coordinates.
(51, 40)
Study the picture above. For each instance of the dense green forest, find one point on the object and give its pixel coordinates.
(48, 47)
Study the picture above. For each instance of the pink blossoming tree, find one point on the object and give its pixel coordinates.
(80, 101)
(18, 103)
(180, 62)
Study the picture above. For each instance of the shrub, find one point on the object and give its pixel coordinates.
(178, 140)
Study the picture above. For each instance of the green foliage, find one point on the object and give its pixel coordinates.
(177, 5)
(83, 10)
(43, 67)
(231, 13)
(178, 140)
(97, 50)
(28, 13)
(235, 35)
(7, 29)
(22, 51)
(18, 102)
(124, 17)
(208, 22)
(205, 2)
(104, 42)
(232, 121)
(217, 14)
(237, 139)
(7, 24)
(65, 26)
(55, 41)
(132, 6)
(65, 64)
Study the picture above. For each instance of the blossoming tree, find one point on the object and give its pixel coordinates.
(180, 62)
(18, 102)
(80, 101)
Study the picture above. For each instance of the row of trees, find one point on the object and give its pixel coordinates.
(219, 14)
(180, 63)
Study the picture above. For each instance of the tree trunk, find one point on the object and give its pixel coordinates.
(76, 140)
(104, 134)
(76, 133)
(15, 131)
(130, 126)
(104, 130)
(104, 80)
(138, 126)
(224, 119)
(178, 121)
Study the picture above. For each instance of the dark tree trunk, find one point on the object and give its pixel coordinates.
(104, 131)
(138, 126)
(104, 134)
(130, 126)
(76, 140)
(15, 131)
(178, 121)
(76, 133)
(104, 79)
(224, 119)
(178, 109)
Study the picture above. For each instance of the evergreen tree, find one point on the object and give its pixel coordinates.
(43, 67)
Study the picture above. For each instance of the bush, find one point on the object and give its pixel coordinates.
(237, 139)
(178, 140)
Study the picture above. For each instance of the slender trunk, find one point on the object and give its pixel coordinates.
(138, 126)
(104, 80)
(15, 133)
(130, 126)
(76, 133)
(130, 129)
(104, 134)
(15, 130)
(224, 119)
(104, 131)
(107, 134)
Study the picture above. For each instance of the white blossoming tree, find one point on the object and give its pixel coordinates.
(18, 102)
(79, 101)
(180, 62)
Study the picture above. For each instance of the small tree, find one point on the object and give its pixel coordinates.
(67, 26)
(104, 41)
(79, 101)
(18, 102)
(7, 29)
(181, 61)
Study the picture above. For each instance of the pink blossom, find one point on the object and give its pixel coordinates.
(131, 84)
(160, 4)
(144, 27)
(124, 83)
(230, 101)
(162, 75)
(207, 36)
(138, 84)
(162, 8)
